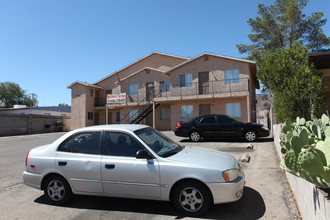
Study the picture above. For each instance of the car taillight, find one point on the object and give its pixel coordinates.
(178, 125)
(26, 158)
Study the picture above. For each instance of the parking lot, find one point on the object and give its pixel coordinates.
(266, 196)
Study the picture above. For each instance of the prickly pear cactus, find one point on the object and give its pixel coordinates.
(290, 161)
(305, 146)
(311, 161)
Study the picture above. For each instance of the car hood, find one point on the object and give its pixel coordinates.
(201, 157)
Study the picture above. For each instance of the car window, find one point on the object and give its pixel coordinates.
(66, 145)
(121, 144)
(207, 120)
(87, 143)
(225, 120)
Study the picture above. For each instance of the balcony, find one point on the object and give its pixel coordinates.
(210, 89)
(195, 90)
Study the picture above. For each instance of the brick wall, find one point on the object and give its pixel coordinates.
(14, 124)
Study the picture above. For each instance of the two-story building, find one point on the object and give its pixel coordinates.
(161, 89)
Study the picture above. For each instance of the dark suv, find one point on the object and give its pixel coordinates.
(219, 126)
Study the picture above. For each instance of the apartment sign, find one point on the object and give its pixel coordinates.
(116, 98)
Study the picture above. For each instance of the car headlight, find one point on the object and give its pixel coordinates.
(230, 175)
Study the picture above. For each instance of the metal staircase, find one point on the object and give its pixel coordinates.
(145, 107)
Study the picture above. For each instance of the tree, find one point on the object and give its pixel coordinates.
(291, 78)
(63, 104)
(278, 38)
(12, 94)
(283, 24)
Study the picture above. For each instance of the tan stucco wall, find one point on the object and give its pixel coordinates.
(163, 125)
(142, 78)
(156, 61)
(216, 67)
(78, 106)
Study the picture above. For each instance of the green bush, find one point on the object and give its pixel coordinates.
(305, 146)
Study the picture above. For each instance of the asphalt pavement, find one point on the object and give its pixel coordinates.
(266, 196)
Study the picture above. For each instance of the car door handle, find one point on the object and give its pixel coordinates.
(109, 166)
(62, 163)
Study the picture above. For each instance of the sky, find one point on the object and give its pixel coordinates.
(45, 45)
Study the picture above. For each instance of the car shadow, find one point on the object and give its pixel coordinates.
(259, 140)
(250, 206)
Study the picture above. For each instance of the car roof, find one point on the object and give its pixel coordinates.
(130, 127)
(212, 115)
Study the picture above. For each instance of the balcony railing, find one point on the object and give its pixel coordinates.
(189, 89)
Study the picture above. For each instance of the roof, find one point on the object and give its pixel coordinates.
(320, 60)
(145, 68)
(42, 108)
(131, 64)
(84, 84)
(130, 127)
(210, 54)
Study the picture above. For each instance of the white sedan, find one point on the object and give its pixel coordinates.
(133, 161)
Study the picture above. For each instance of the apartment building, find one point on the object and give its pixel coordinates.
(161, 89)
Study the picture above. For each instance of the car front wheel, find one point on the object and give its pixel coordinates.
(250, 136)
(57, 190)
(195, 136)
(192, 198)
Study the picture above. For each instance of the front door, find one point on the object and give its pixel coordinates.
(150, 92)
(125, 176)
(203, 83)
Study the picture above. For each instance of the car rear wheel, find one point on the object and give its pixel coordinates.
(195, 136)
(57, 190)
(250, 136)
(192, 198)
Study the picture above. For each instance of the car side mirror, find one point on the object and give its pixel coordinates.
(142, 154)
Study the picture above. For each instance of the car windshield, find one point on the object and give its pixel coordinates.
(158, 142)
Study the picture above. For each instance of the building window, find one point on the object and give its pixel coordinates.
(233, 109)
(90, 115)
(165, 114)
(232, 76)
(186, 111)
(117, 116)
(165, 86)
(186, 80)
(90, 92)
(133, 89)
(133, 114)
